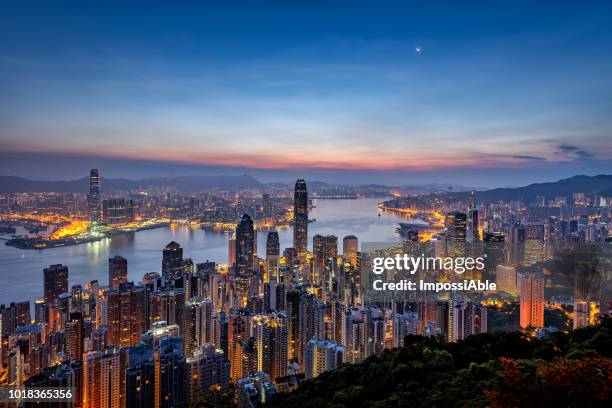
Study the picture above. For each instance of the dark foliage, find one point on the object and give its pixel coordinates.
(497, 370)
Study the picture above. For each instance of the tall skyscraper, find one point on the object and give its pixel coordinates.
(300, 219)
(103, 382)
(126, 314)
(172, 261)
(93, 200)
(74, 336)
(55, 282)
(350, 247)
(117, 271)
(456, 226)
(324, 248)
(272, 253)
(245, 246)
(532, 301)
(270, 332)
(472, 233)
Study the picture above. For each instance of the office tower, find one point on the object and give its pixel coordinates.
(93, 200)
(532, 301)
(507, 279)
(456, 226)
(117, 271)
(405, 324)
(272, 253)
(534, 243)
(472, 233)
(274, 296)
(493, 251)
(455, 233)
(172, 261)
(468, 318)
(324, 248)
(270, 332)
(199, 328)
(350, 247)
(321, 356)
(118, 211)
(104, 380)
(300, 219)
(55, 282)
(74, 336)
(126, 314)
(231, 257)
(168, 306)
(245, 244)
(267, 207)
(207, 371)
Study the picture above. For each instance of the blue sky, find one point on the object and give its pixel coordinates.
(499, 94)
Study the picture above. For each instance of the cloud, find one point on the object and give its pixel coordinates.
(574, 152)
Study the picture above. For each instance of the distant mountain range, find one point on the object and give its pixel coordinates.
(563, 188)
(566, 187)
(11, 184)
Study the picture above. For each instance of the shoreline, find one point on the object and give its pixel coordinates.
(43, 243)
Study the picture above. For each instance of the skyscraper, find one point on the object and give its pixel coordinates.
(172, 261)
(532, 301)
(55, 281)
(93, 200)
(245, 242)
(74, 336)
(456, 226)
(321, 356)
(350, 246)
(472, 233)
(270, 332)
(117, 271)
(126, 314)
(272, 253)
(300, 219)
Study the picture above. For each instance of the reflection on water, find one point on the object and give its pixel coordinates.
(21, 270)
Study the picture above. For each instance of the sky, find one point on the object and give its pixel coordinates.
(482, 94)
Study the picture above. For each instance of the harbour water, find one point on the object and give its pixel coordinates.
(21, 276)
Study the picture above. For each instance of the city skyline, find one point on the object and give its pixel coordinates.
(446, 94)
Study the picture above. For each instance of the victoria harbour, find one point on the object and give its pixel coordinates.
(143, 249)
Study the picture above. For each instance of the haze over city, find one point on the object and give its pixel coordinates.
(347, 93)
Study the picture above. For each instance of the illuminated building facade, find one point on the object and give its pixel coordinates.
(532, 301)
(93, 199)
(300, 219)
(117, 271)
